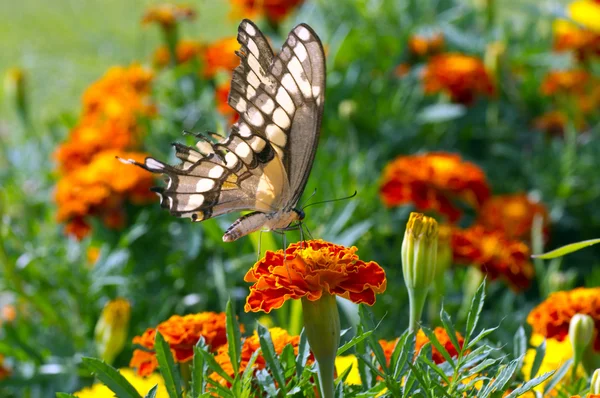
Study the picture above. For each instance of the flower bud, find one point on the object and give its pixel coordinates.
(581, 331)
(15, 88)
(111, 329)
(419, 257)
(595, 383)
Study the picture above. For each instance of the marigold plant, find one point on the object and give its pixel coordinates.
(426, 44)
(181, 333)
(167, 14)
(141, 384)
(462, 77)
(551, 317)
(575, 82)
(421, 339)
(512, 214)
(494, 254)
(432, 182)
(309, 269)
(220, 56)
(186, 50)
(273, 10)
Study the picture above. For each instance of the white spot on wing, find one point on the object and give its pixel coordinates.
(289, 84)
(285, 101)
(216, 172)
(154, 164)
(252, 47)
(316, 91)
(231, 160)
(194, 201)
(249, 29)
(276, 135)
(256, 118)
(204, 185)
(302, 33)
(243, 151)
(281, 118)
(295, 67)
(257, 144)
(300, 52)
(204, 147)
(253, 79)
(245, 130)
(250, 92)
(241, 105)
(268, 106)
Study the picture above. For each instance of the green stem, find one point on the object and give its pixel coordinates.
(295, 323)
(171, 37)
(185, 368)
(417, 302)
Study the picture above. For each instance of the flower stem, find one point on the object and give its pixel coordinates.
(417, 302)
(322, 328)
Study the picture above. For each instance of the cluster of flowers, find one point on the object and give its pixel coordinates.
(92, 182)
(441, 183)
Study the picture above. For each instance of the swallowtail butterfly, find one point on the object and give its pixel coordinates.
(264, 162)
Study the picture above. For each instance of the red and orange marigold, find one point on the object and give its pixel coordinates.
(422, 45)
(574, 82)
(167, 15)
(221, 98)
(432, 182)
(4, 371)
(274, 10)
(181, 333)
(460, 76)
(512, 214)
(310, 269)
(280, 338)
(551, 318)
(186, 51)
(220, 56)
(494, 254)
(421, 340)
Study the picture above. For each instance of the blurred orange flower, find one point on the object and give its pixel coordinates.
(422, 45)
(309, 269)
(220, 56)
(280, 338)
(512, 214)
(181, 333)
(273, 10)
(495, 254)
(432, 181)
(167, 15)
(460, 76)
(421, 339)
(582, 33)
(221, 97)
(99, 188)
(4, 372)
(186, 50)
(565, 82)
(551, 318)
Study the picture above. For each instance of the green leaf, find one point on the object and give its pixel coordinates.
(213, 365)
(197, 372)
(540, 353)
(529, 385)
(435, 368)
(111, 378)
(501, 380)
(303, 354)
(355, 340)
(167, 367)
(480, 336)
(266, 382)
(233, 337)
(558, 376)
(475, 312)
(520, 345)
(64, 395)
(249, 371)
(450, 330)
(436, 343)
(152, 392)
(561, 251)
(268, 349)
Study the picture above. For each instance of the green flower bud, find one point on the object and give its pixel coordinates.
(112, 329)
(419, 258)
(581, 331)
(595, 383)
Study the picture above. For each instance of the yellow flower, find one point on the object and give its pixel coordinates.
(111, 329)
(141, 384)
(344, 362)
(585, 13)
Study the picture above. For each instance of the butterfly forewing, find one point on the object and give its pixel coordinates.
(264, 162)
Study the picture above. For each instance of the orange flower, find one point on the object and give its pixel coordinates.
(186, 50)
(553, 122)
(402, 70)
(512, 214)
(432, 181)
(99, 188)
(222, 97)
(570, 37)
(462, 77)
(565, 82)
(181, 333)
(551, 318)
(421, 340)
(280, 338)
(495, 254)
(167, 15)
(309, 269)
(422, 45)
(587, 396)
(4, 372)
(220, 56)
(274, 10)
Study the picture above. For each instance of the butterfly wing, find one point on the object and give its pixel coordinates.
(265, 161)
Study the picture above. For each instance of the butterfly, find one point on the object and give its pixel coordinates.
(264, 162)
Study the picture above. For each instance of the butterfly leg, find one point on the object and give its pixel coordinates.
(259, 244)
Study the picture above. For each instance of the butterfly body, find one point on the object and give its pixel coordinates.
(264, 163)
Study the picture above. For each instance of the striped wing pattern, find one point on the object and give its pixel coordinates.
(264, 162)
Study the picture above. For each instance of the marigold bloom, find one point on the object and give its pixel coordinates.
(555, 122)
(141, 384)
(422, 45)
(573, 82)
(551, 318)
(310, 269)
(280, 338)
(167, 15)
(432, 181)
(274, 10)
(186, 51)
(512, 214)
(342, 363)
(585, 43)
(494, 254)
(181, 333)
(222, 100)
(4, 372)
(460, 76)
(421, 339)
(220, 56)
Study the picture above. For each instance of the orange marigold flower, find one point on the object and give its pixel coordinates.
(432, 181)
(495, 254)
(167, 15)
(280, 338)
(186, 50)
(421, 340)
(78, 228)
(274, 10)
(565, 82)
(460, 76)
(309, 269)
(220, 56)
(512, 214)
(551, 318)
(570, 37)
(181, 333)
(4, 372)
(222, 97)
(422, 45)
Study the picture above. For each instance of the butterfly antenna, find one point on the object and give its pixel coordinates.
(310, 197)
(308, 231)
(332, 200)
(259, 245)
